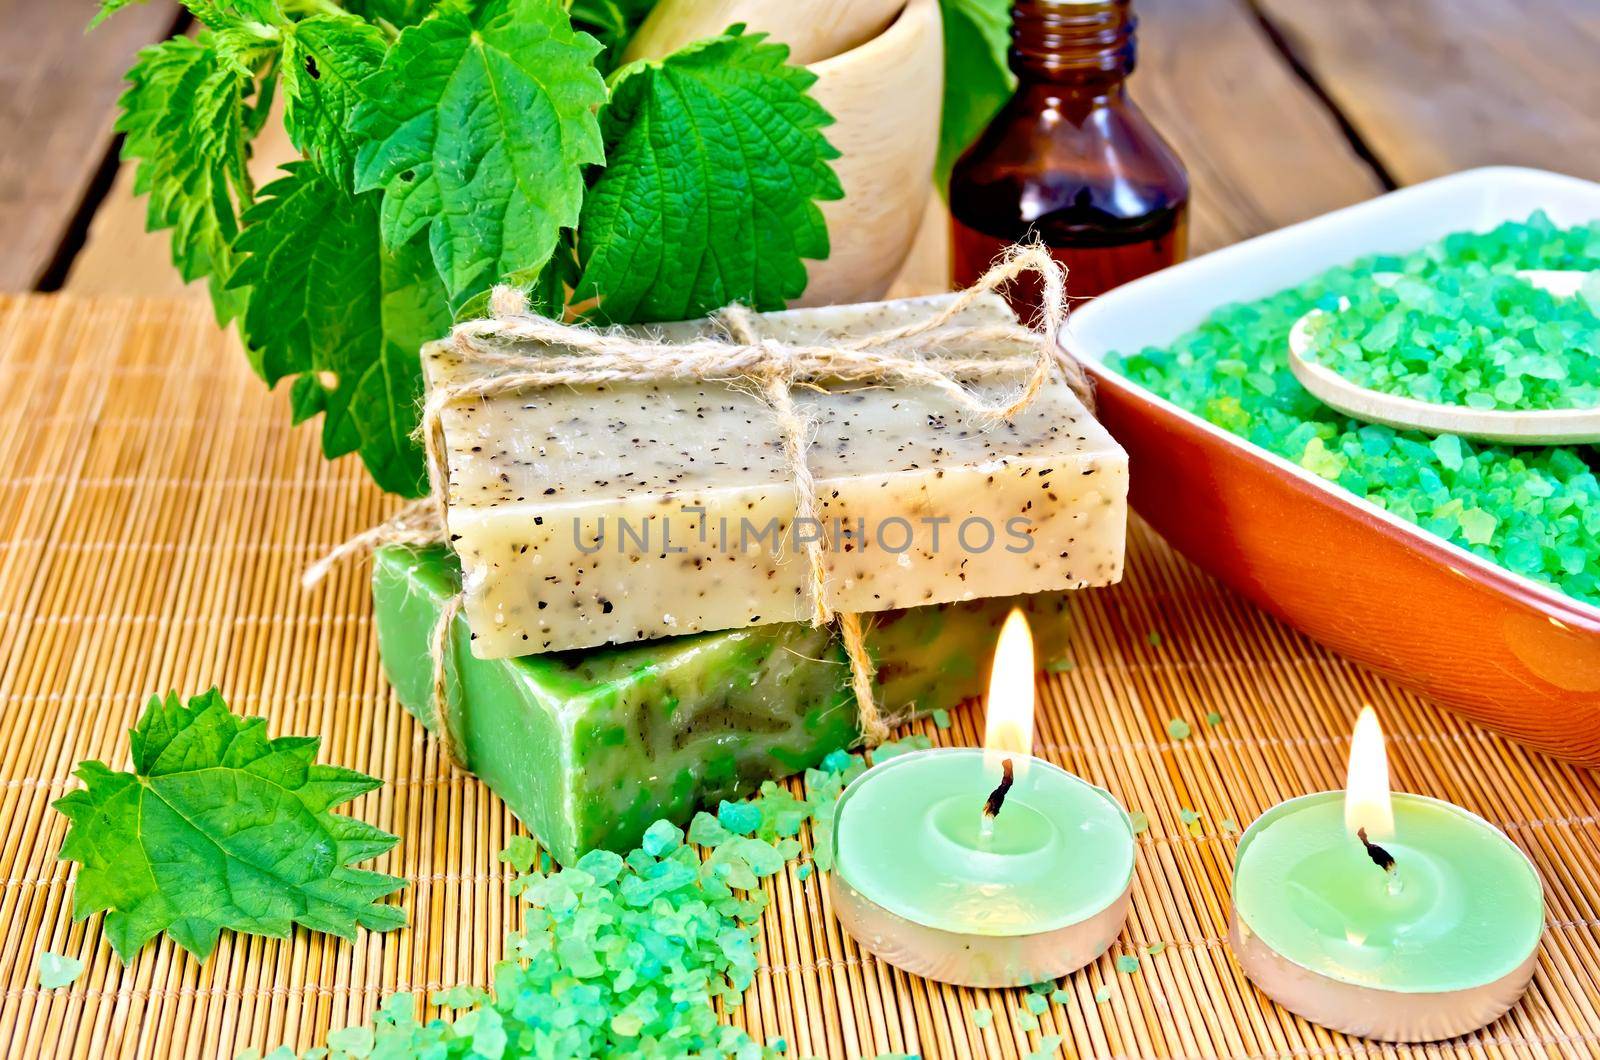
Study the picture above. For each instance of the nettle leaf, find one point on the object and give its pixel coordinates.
(398, 13)
(977, 80)
(324, 58)
(333, 306)
(109, 8)
(213, 13)
(219, 826)
(477, 128)
(183, 119)
(715, 160)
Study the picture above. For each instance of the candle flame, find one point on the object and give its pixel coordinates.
(1366, 787)
(1008, 727)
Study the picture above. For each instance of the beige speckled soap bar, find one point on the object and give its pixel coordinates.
(625, 513)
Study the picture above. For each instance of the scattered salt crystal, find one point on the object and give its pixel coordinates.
(1049, 1045)
(741, 818)
(56, 971)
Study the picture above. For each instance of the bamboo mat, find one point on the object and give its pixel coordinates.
(155, 511)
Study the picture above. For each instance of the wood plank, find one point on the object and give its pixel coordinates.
(1262, 150)
(1434, 86)
(58, 92)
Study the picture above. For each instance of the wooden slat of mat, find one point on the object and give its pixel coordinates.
(1433, 86)
(58, 90)
(155, 511)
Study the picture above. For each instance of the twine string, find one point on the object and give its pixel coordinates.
(936, 352)
(443, 712)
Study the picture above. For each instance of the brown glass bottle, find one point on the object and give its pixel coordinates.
(1070, 159)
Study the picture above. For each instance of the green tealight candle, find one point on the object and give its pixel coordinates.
(983, 867)
(1394, 917)
(923, 879)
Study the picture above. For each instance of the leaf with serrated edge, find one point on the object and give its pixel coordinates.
(219, 827)
(477, 128)
(715, 161)
(211, 12)
(331, 305)
(398, 13)
(324, 58)
(183, 120)
(977, 81)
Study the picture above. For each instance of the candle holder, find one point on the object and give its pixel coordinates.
(1047, 895)
(1334, 978)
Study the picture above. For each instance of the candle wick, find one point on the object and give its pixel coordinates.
(997, 797)
(1380, 857)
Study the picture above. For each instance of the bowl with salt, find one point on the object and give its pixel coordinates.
(1466, 569)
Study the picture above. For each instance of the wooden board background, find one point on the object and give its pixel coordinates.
(157, 508)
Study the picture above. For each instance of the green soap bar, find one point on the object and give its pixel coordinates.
(589, 747)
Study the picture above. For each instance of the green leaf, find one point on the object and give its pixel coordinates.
(324, 58)
(715, 160)
(184, 121)
(977, 81)
(109, 8)
(331, 305)
(477, 128)
(213, 13)
(219, 826)
(397, 13)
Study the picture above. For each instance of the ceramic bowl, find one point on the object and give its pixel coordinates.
(1505, 651)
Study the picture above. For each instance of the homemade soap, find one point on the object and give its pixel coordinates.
(615, 514)
(588, 748)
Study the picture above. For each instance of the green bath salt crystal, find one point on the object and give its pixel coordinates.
(1466, 336)
(630, 955)
(1535, 511)
(588, 748)
(1049, 1046)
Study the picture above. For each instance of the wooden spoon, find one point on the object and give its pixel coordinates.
(1511, 426)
